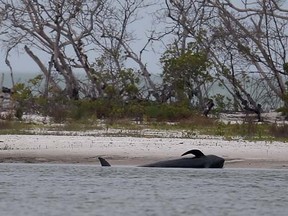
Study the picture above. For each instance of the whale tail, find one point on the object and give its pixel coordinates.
(104, 162)
(195, 152)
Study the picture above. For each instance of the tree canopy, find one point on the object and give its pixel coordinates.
(240, 45)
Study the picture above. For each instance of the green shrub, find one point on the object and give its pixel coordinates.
(279, 131)
(82, 109)
(5, 124)
(133, 110)
(167, 112)
(283, 111)
(19, 113)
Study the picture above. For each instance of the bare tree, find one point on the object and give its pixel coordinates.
(258, 32)
(115, 37)
(60, 30)
(187, 22)
(246, 41)
(74, 36)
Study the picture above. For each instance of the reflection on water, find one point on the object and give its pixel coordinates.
(49, 189)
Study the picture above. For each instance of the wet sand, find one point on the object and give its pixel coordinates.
(133, 151)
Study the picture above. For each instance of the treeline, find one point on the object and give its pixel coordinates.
(240, 46)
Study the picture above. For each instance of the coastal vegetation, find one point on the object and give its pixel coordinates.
(93, 64)
(194, 125)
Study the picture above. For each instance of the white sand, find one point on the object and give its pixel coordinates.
(136, 151)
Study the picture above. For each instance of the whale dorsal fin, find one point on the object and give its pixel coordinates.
(103, 162)
(195, 152)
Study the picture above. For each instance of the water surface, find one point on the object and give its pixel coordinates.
(59, 189)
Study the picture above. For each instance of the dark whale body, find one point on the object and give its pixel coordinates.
(199, 161)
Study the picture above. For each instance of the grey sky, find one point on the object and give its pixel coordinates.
(22, 63)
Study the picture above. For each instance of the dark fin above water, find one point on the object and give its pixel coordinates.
(103, 162)
(195, 152)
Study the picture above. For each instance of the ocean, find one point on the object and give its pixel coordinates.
(74, 189)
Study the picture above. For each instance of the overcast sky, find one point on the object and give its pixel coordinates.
(22, 63)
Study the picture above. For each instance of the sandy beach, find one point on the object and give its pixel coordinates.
(137, 150)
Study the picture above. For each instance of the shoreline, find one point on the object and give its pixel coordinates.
(122, 161)
(133, 151)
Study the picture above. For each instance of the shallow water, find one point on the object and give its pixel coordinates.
(53, 189)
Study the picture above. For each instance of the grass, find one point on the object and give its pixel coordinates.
(15, 127)
(279, 131)
(192, 126)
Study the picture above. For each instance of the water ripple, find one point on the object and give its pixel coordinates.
(51, 189)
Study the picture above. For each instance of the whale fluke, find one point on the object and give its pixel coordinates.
(103, 162)
(195, 152)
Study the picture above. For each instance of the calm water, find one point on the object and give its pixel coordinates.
(49, 189)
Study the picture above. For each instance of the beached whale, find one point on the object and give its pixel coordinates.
(198, 161)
